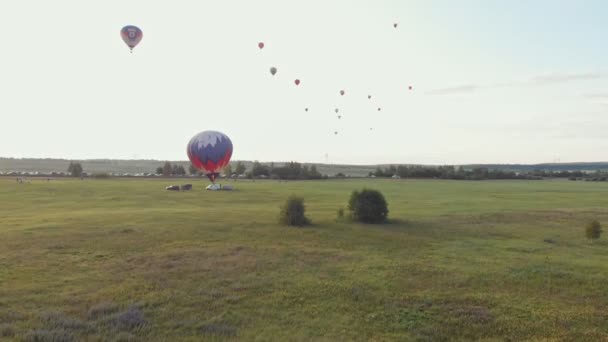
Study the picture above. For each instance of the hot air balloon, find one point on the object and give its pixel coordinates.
(379, 109)
(369, 97)
(273, 71)
(306, 109)
(410, 87)
(336, 110)
(297, 82)
(342, 92)
(210, 151)
(131, 35)
(339, 116)
(336, 132)
(395, 25)
(261, 45)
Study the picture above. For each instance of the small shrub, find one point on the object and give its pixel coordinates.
(6, 330)
(219, 330)
(130, 319)
(124, 336)
(42, 335)
(293, 212)
(340, 213)
(101, 310)
(368, 206)
(58, 321)
(593, 230)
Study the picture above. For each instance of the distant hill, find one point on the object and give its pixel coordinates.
(149, 166)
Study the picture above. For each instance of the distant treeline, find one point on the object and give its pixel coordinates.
(479, 173)
(289, 171)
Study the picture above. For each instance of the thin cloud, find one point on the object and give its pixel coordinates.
(562, 78)
(537, 80)
(597, 96)
(465, 88)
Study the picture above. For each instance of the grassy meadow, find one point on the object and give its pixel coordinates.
(104, 260)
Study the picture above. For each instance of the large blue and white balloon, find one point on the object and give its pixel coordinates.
(210, 151)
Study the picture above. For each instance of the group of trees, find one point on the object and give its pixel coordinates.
(289, 171)
(448, 172)
(480, 173)
(75, 169)
(169, 169)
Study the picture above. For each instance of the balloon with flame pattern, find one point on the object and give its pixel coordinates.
(210, 152)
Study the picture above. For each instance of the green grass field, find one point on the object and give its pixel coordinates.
(125, 260)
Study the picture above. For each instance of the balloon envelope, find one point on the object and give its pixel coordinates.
(273, 71)
(297, 82)
(131, 35)
(261, 45)
(342, 92)
(210, 151)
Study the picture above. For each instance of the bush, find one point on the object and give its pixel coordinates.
(293, 212)
(593, 230)
(368, 206)
(340, 213)
(6, 330)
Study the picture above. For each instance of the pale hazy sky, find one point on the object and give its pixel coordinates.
(494, 81)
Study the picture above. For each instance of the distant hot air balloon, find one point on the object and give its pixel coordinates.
(273, 71)
(410, 87)
(342, 92)
(369, 97)
(336, 110)
(131, 35)
(336, 132)
(210, 151)
(339, 116)
(379, 109)
(306, 109)
(395, 25)
(297, 82)
(261, 45)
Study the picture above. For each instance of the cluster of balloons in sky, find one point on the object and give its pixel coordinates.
(297, 81)
(210, 151)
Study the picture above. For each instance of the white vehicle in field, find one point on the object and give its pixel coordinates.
(214, 187)
(218, 187)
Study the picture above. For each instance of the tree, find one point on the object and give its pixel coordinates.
(368, 206)
(167, 169)
(379, 172)
(593, 230)
(258, 169)
(293, 212)
(240, 168)
(228, 170)
(178, 170)
(75, 169)
(313, 173)
(193, 170)
(159, 170)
